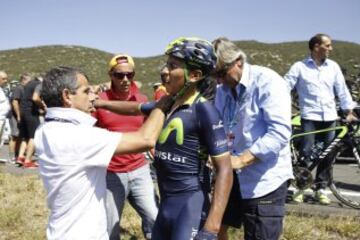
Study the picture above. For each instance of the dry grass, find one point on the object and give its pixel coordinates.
(23, 215)
(23, 212)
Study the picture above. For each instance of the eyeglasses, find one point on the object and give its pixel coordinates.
(121, 75)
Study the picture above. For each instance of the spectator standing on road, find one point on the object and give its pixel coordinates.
(74, 155)
(128, 175)
(18, 93)
(29, 112)
(255, 106)
(317, 80)
(36, 98)
(4, 104)
(14, 142)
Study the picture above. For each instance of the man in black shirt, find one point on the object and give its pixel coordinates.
(29, 120)
(17, 145)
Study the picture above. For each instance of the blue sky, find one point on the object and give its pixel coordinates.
(144, 28)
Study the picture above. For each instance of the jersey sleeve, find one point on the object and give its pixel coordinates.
(211, 129)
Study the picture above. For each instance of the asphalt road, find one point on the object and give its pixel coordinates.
(309, 207)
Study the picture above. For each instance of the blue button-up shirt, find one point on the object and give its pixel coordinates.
(317, 87)
(259, 117)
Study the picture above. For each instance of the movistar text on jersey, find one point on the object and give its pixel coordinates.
(170, 156)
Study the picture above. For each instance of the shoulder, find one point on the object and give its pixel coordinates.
(299, 64)
(266, 81)
(333, 64)
(302, 63)
(264, 75)
(2, 94)
(205, 108)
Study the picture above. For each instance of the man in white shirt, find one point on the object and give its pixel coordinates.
(74, 155)
(4, 104)
(317, 80)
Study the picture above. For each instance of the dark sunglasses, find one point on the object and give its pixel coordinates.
(121, 75)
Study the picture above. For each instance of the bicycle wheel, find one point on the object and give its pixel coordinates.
(345, 183)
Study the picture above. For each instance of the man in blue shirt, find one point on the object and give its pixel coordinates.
(317, 80)
(256, 110)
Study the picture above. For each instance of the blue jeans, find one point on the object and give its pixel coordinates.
(323, 169)
(136, 186)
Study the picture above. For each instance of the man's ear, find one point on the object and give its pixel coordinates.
(66, 99)
(239, 63)
(195, 75)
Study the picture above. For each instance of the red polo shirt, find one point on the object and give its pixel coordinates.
(121, 123)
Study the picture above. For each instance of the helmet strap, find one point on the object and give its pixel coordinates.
(186, 84)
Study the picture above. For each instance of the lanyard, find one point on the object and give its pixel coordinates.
(55, 119)
(232, 109)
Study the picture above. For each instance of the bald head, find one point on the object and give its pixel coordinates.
(3, 78)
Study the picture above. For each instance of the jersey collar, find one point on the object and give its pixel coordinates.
(191, 99)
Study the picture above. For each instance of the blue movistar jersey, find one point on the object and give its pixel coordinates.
(190, 134)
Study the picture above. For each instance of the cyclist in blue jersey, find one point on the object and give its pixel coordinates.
(192, 132)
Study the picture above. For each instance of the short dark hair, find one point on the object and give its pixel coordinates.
(55, 81)
(317, 39)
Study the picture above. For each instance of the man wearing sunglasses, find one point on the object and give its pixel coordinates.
(128, 175)
(255, 106)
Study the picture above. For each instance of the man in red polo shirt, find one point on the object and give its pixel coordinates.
(128, 175)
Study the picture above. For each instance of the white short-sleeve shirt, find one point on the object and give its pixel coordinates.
(73, 158)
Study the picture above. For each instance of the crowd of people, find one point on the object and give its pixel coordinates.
(23, 117)
(218, 128)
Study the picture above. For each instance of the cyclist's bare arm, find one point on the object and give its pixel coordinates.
(223, 185)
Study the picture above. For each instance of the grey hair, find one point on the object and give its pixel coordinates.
(227, 53)
(55, 81)
(3, 73)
